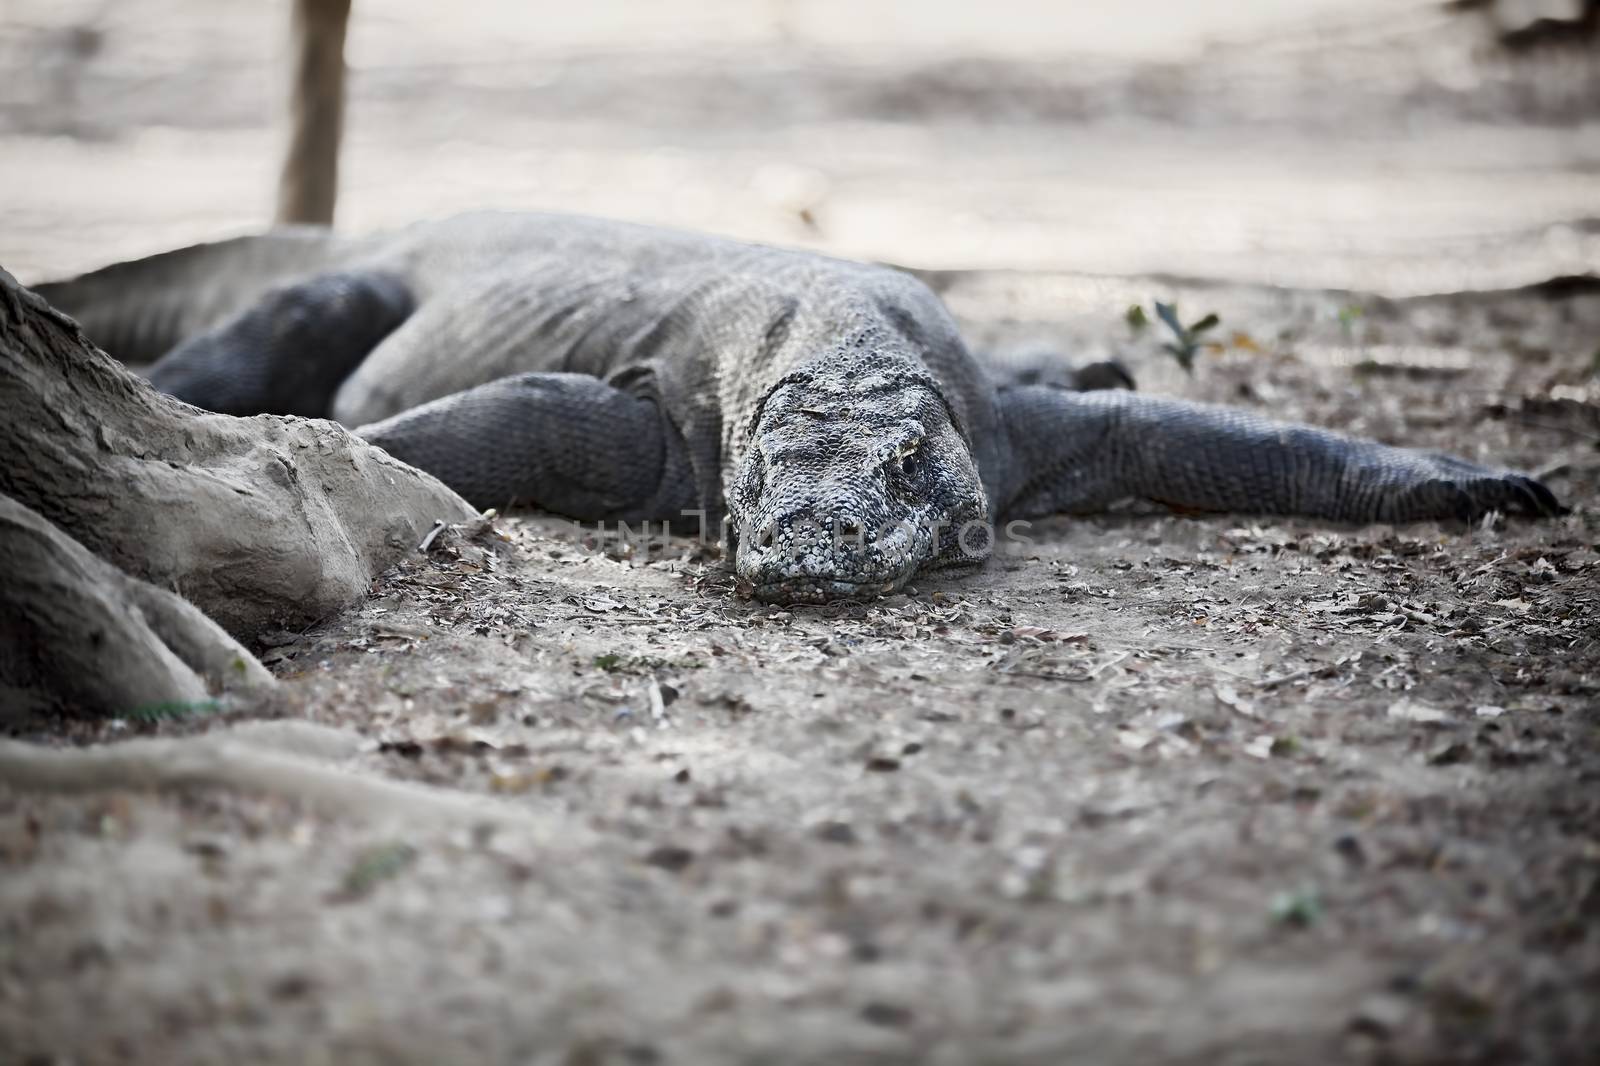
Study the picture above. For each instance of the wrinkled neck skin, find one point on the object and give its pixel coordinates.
(856, 476)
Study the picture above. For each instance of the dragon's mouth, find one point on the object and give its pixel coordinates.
(811, 567)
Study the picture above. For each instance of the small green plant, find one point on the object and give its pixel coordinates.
(1349, 315)
(173, 710)
(1298, 909)
(1186, 339)
(376, 865)
(1136, 319)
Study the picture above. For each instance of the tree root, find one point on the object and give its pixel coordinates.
(244, 760)
(80, 636)
(130, 521)
(260, 522)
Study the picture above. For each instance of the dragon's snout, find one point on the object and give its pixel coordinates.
(807, 554)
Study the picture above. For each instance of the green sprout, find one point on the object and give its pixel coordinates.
(1186, 339)
(172, 710)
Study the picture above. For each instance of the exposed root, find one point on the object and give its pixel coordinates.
(259, 522)
(82, 637)
(244, 760)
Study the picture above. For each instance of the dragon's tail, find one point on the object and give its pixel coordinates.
(138, 310)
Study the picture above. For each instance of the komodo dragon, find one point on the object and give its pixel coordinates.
(827, 410)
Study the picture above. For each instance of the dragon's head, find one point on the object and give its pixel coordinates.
(854, 479)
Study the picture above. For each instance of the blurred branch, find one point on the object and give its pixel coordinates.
(309, 182)
(1582, 28)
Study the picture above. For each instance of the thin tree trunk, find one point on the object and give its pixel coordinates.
(309, 183)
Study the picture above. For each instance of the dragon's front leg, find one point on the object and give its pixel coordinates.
(1082, 451)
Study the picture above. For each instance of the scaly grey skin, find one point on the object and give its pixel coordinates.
(857, 476)
(827, 410)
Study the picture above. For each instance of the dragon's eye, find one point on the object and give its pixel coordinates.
(906, 459)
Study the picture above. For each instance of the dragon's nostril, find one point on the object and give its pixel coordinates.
(849, 528)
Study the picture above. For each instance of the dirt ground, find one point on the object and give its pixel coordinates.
(1148, 789)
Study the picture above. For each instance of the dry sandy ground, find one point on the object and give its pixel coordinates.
(1152, 789)
(1149, 789)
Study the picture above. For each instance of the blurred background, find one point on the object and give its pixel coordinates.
(1399, 146)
